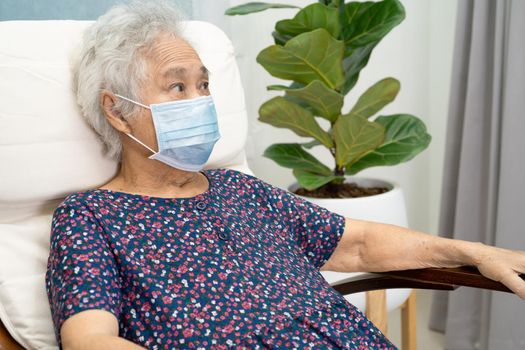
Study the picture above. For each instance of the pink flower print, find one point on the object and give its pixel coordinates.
(83, 257)
(94, 271)
(187, 332)
(228, 329)
(146, 306)
(200, 278)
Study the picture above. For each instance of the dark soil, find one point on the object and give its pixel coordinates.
(346, 190)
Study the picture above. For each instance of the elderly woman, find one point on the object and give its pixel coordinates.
(167, 255)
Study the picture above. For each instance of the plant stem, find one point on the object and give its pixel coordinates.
(338, 172)
(337, 3)
(332, 151)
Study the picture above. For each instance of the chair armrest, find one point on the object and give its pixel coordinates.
(430, 278)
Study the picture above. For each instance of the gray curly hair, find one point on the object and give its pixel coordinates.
(112, 57)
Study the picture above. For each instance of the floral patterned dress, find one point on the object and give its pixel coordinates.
(234, 267)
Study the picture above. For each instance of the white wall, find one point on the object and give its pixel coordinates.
(418, 53)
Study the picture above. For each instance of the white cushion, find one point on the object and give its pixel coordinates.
(47, 152)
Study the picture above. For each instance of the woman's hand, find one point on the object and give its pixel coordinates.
(504, 266)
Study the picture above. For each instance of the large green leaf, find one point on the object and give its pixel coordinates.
(353, 64)
(282, 113)
(351, 13)
(280, 39)
(405, 137)
(294, 99)
(354, 136)
(297, 61)
(251, 7)
(368, 22)
(325, 102)
(376, 97)
(311, 17)
(310, 144)
(364, 25)
(311, 181)
(292, 155)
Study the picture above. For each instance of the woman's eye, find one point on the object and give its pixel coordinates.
(179, 87)
(205, 85)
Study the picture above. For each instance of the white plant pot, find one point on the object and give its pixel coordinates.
(388, 207)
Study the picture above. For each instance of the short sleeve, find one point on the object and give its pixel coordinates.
(316, 229)
(81, 271)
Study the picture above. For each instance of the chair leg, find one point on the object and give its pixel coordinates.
(376, 310)
(408, 323)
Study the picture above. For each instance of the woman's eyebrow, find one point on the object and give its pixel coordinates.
(181, 72)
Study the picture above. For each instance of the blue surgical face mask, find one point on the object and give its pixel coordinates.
(186, 131)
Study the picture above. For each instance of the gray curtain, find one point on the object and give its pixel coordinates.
(483, 195)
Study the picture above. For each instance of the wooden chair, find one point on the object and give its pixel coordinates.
(432, 278)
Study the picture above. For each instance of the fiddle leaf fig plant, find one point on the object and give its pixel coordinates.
(322, 51)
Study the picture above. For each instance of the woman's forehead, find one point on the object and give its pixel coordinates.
(175, 56)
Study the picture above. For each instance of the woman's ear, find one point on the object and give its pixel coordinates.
(107, 100)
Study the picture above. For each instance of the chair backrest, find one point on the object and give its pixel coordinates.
(47, 152)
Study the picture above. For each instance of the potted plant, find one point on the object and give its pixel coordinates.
(322, 51)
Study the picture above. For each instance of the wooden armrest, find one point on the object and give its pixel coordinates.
(430, 278)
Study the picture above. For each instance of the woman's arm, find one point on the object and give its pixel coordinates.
(375, 247)
(94, 329)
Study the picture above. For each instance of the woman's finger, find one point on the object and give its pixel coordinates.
(515, 283)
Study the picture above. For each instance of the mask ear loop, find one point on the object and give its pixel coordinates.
(130, 100)
(133, 137)
(142, 143)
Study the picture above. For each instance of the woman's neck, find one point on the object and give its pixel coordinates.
(150, 177)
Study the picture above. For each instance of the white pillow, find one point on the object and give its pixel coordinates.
(47, 152)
